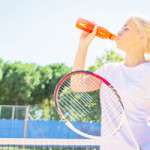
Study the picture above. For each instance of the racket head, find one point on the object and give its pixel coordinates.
(88, 104)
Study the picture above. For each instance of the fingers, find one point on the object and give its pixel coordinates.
(86, 38)
(92, 34)
(94, 30)
(84, 34)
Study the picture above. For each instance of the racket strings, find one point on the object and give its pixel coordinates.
(69, 110)
(87, 99)
(99, 110)
(74, 103)
(111, 110)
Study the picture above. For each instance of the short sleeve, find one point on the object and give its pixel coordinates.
(103, 71)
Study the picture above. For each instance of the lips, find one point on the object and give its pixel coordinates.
(117, 37)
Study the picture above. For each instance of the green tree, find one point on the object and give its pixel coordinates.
(1, 69)
(17, 84)
(58, 71)
(29, 84)
(44, 92)
(40, 107)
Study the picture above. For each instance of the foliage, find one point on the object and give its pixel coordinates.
(18, 82)
(30, 84)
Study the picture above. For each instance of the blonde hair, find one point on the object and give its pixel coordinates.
(143, 24)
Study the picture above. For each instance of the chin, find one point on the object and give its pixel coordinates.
(121, 48)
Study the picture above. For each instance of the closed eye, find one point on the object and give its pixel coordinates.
(125, 29)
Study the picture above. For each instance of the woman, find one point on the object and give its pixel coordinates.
(131, 79)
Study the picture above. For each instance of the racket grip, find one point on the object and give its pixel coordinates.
(88, 26)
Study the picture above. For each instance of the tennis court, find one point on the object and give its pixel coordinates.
(22, 132)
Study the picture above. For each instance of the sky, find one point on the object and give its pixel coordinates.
(44, 32)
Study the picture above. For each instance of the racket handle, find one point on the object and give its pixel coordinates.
(88, 26)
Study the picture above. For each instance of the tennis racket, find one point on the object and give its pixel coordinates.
(90, 106)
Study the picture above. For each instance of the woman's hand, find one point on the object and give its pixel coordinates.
(86, 38)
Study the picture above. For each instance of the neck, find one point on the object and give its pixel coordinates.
(134, 60)
(135, 55)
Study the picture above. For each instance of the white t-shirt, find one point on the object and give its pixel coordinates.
(133, 86)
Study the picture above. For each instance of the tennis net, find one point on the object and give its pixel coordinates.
(48, 144)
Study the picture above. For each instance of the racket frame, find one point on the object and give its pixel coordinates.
(123, 120)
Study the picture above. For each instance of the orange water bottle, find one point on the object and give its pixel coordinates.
(88, 26)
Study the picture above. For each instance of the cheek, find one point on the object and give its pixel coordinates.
(126, 41)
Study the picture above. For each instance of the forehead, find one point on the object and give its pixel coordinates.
(130, 23)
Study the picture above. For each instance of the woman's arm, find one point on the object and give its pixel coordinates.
(85, 40)
(84, 83)
(79, 64)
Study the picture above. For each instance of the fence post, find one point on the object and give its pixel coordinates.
(26, 121)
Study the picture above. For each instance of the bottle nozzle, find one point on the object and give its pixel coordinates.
(112, 37)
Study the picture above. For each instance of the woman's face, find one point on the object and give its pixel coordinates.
(128, 37)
